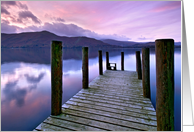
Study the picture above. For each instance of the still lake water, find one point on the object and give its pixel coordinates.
(26, 82)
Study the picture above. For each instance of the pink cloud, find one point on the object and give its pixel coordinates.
(18, 4)
(167, 6)
(28, 15)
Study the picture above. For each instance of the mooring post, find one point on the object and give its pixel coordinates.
(56, 77)
(100, 62)
(122, 61)
(136, 65)
(138, 62)
(164, 49)
(85, 67)
(107, 60)
(146, 72)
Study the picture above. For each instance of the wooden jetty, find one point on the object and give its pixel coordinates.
(117, 100)
(114, 101)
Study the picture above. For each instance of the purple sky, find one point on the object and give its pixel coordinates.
(120, 20)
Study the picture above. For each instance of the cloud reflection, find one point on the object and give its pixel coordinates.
(18, 82)
(12, 92)
(32, 79)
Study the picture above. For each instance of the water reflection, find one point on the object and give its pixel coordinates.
(24, 95)
(26, 83)
(177, 86)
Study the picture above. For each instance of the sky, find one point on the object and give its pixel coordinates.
(139, 21)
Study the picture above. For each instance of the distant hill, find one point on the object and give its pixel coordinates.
(44, 38)
(132, 44)
(151, 45)
(120, 43)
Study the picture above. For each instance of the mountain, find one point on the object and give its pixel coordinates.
(132, 44)
(151, 45)
(116, 42)
(44, 38)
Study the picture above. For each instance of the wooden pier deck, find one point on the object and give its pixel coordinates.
(114, 101)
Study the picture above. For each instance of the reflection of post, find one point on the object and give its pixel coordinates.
(107, 60)
(84, 67)
(164, 49)
(100, 62)
(138, 62)
(146, 72)
(122, 61)
(56, 77)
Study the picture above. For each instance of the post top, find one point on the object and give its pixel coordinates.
(55, 41)
(84, 47)
(164, 40)
(144, 48)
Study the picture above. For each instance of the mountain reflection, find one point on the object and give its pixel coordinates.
(42, 55)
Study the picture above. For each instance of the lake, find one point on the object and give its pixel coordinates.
(26, 82)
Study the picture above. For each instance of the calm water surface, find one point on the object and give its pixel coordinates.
(26, 82)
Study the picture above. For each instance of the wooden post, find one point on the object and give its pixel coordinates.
(115, 66)
(146, 72)
(138, 62)
(122, 61)
(85, 67)
(164, 49)
(56, 77)
(107, 60)
(100, 62)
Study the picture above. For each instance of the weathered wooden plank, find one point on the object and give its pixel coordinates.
(116, 94)
(71, 125)
(92, 123)
(111, 110)
(114, 115)
(114, 100)
(117, 99)
(113, 87)
(50, 127)
(120, 91)
(113, 106)
(103, 92)
(113, 103)
(122, 84)
(110, 120)
(131, 95)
